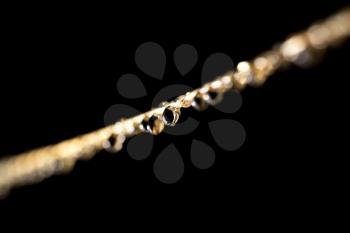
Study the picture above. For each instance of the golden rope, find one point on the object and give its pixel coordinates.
(301, 49)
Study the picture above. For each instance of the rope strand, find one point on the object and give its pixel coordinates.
(301, 49)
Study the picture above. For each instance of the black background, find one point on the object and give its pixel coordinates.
(59, 76)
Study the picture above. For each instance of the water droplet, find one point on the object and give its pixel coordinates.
(153, 125)
(212, 97)
(114, 143)
(198, 103)
(171, 116)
